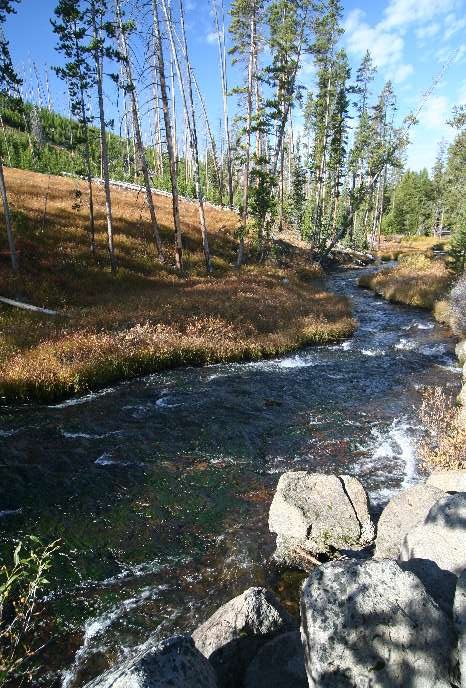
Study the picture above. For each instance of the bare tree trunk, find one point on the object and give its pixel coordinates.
(169, 136)
(188, 102)
(8, 223)
(103, 141)
(211, 137)
(247, 162)
(137, 132)
(223, 77)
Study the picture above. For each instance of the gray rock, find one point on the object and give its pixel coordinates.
(279, 664)
(448, 481)
(171, 663)
(460, 624)
(440, 584)
(313, 513)
(460, 351)
(232, 636)
(402, 513)
(372, 624)
(442, 536)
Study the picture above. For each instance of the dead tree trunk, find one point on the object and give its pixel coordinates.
(8, 223)
(226, 121)
(168, 133)
(188, 102)
(137, 131)
(98, 59)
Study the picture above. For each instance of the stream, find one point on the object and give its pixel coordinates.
(159, 488)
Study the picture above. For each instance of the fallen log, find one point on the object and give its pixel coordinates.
(27, 306)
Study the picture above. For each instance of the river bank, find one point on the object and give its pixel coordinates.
(147, 318)
(159, 488)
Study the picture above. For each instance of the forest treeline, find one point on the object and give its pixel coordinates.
(333, 173)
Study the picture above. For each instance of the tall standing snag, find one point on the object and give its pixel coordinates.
(158, 46)
(188, 102)
(9, 81)
(130, 88)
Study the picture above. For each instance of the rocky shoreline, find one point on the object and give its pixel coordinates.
(381, 606)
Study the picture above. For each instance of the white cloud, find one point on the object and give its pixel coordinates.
(386, 46)
(453, 24)
(435, 113)
(400, 13)
(461, 96)
(428, 31)
(212, 37)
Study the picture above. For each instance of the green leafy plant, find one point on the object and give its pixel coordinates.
(21, 581)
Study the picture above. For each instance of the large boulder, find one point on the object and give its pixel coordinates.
(403, 513)
(460, 351)
(441, 538)
(372, 624)
(460, 624)
(448, 481)
(313, 513)
(279, 664)
(171, 663)
(232, 636)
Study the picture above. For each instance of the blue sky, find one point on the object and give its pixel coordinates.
(410, 41)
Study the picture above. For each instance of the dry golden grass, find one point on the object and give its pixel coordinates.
(147, 317)
(445, 446)
(417, 281)
(392, 247)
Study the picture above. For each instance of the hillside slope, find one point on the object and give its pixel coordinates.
(147, 317)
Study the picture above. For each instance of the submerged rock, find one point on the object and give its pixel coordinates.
(313, 513)
(372, 624)
(279, 664)
(448, 481)
(403, 513)
(460, 624)
(232, 636)
(171, 663)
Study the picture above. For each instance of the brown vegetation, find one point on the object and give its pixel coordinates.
(445, 446)
(392, 247)
(416, 281)
(147, 317)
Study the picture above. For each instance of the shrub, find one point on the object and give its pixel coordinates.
(20, 584)
(458, 307)
(444, 448)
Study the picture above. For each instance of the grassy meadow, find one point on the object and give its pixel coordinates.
(418, 280)
(147, 317)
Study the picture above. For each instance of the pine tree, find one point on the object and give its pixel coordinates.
(9, 85)
(79, 75)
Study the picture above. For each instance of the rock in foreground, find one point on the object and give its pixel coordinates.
(279, 664)
(171, 663)
(448, 481)
(372, 624)
(441, 538)
(313, 513)
(232, 636)
(460, 623)
(403, 513)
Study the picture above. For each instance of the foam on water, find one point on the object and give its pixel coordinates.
(8, 433)
(406, 344)
(391, 449)
(373, 352)
(9, 512)
(89, 436)
(76, 401)
(97, 626)
(106, 460)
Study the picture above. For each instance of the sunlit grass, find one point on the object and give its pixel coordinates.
(148, 317)
(416, 281)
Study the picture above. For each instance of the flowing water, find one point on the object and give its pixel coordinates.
(159, 488)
